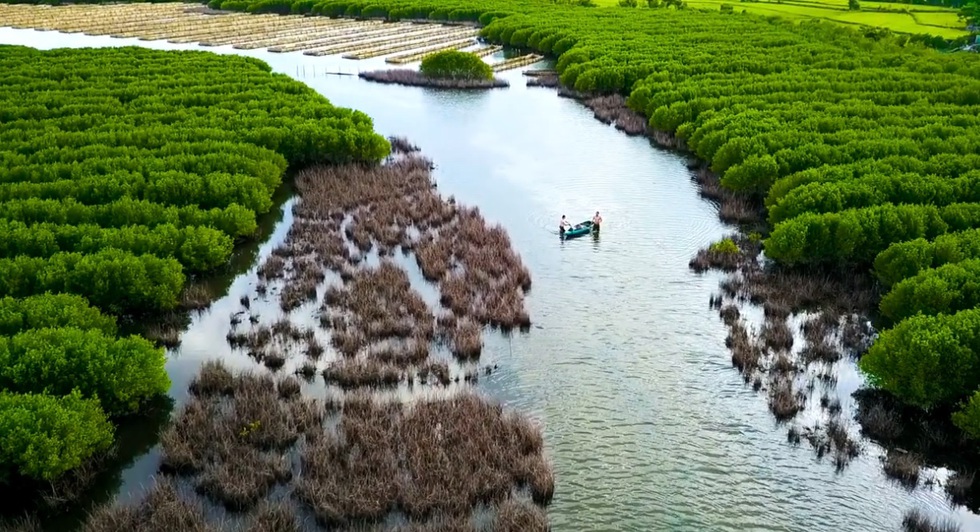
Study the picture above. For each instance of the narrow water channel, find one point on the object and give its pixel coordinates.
(647, 423)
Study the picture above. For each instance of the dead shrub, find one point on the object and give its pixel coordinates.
(833, 438)
(274, 361)
(745, 353)
(729, 314)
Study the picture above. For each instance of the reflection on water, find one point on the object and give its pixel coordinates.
(649, 426)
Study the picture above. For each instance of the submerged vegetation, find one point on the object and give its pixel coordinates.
(124, 171)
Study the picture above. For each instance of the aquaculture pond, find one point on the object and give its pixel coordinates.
(647, 424)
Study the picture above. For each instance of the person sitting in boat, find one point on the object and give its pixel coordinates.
(563, 225)
(596, 221)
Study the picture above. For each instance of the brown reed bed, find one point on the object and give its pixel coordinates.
(401, 76)
(233, 434)
(379, 209)
(453, 454)
(164, 509)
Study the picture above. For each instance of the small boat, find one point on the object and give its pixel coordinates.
(578, 230)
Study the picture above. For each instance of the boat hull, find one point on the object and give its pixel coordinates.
(581, 229)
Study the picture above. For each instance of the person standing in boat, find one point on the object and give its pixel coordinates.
(563, 225)
(596, 222)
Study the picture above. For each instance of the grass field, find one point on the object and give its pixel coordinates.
(902, 18)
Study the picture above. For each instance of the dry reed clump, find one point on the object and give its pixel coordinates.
(274, 517)
(784, 401)
(903, 466)
(401, 76)
(916, 521)
(745, 353)
(271, 345)
(378, 304)
(819, 332)
(24, 523)
(235, 439)
(776, 335)
(452, 455)
(195, 297)
(959, 484)
(402, 145)
(517, 516)
(465, 340)
(163, 510)
(356, 373)
(833, 438)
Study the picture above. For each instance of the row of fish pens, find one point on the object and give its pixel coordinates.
(359, 33)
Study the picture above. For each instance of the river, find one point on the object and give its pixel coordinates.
(648, 425)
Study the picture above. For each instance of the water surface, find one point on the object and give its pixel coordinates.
(648, 425)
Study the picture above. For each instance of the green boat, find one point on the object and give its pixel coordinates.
(578, 230)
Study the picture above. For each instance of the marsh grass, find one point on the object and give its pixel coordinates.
(273, 517)
(162, 510)
(233, 434)
(25, 523)
(195, 297)
(916, 521)
(453, 455)
(379, 323)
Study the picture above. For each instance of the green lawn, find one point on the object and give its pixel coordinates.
(903, 18)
